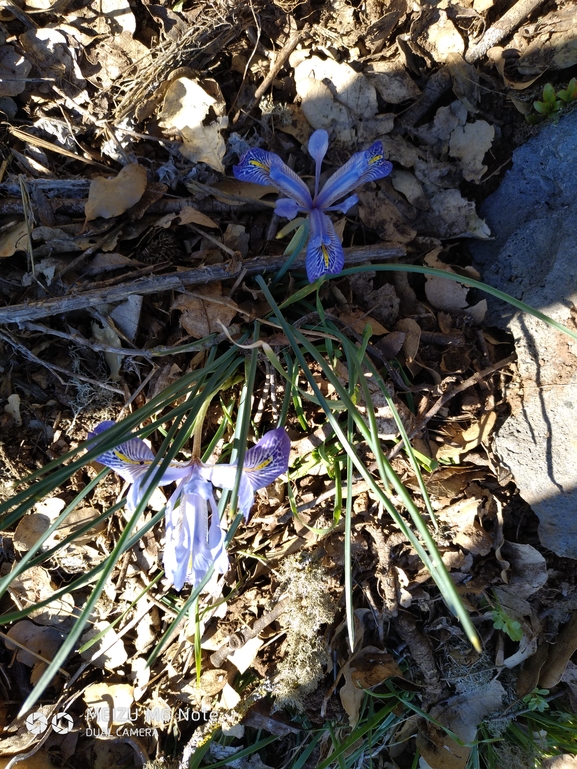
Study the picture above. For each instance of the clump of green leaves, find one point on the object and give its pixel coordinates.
(502, 621)
(536, 700)
(553, 103)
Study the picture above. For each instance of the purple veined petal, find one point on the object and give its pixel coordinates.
(287, 208)
(261, 167)
(285, 180)
(263, 463)
(345, 206)
(318, 146)
(254, 166)
(128, 459)
(134, 456)
(360, 168)
(325, 254)
(267, 459)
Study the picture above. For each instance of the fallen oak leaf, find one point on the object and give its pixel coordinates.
(112, 197)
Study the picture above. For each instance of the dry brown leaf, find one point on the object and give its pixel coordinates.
(297, 125)
(34, 585)
(371, 666)
(109, 651)
(359, 320)
(412, 331)
(498, 56)
(461, 714)
(392, 81)
(465, 81)
(238, 189)
(186, 106)
(203, 313)
(334, 96)
(438, 35)
(43, 641)
(470, 143)
(554, 46)
(187, 215)
(112, 197)
(77, 519)
(406, 183)
(243, 658)
(111, 703)
(14, 239)
(468, 531)
(29, 530)
(38, 760)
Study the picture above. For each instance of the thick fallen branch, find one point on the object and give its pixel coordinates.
(20, 313)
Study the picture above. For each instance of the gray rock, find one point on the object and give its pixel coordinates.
(533, 219)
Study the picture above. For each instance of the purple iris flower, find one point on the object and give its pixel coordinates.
(195, 538)
(324, 250)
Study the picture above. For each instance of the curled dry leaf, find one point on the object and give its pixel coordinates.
(40, 641)
(205, 312)
(12, 408)
(29, 530)
(112, 197)
(334, 96)
(462, 715)
(470, 143)
(110, 702)
(186, 106)
(14, 239)
(108, 336)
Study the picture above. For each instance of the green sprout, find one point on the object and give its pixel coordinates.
(553, 103)
(502, 621)
(537, 701)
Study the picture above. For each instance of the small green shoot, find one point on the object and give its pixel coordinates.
(502, 621)
(552, 103)
(536, 700)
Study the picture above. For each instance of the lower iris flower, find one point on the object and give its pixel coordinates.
(195, 538)
(325, 254)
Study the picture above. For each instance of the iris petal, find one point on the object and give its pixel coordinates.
(285, 180)
(318, 146)
(325, 255)
(267, 459)
(131, 461)
(360, 168)
(262, 465)
(192, 545)
(263, 167)
(287, 208)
